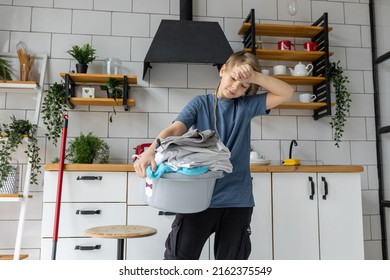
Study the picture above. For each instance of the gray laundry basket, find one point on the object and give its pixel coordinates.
(179, 193)
(11, 184)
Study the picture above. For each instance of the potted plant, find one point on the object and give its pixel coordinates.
(54, 107)
(113, 88)
(87, 149)
(5, 70)
(13, 135)
(84, 55)
(343, 100)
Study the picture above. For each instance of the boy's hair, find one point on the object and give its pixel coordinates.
(241, 58)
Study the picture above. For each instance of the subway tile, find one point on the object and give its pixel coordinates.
(34, 3)
(61, 43)
(268, 148)
(355, 129)
(203, 76)
(310, 129)
(158, 122)
(303, 12)
(15, 18)
(368, 82)
(113, 5)
(129, 125)
(4, 41)
(279, 127)
(362, 105)
(85, 122)
(363, 152)
(162, 73)
(371, 128)
(345, 36)
(37, 43)
(151, 6)
(51, 20)
(366, 36)
(370, 202)
(108, 46)
(150, 100)
(139, 48)
(21, 100)
(335, 11)
(54, 68)
(256, 128)
(224, 8)
(357, 14)
(376, 227)
(266, 9)
(74, 4)
(329, 154)
(359, 59)
(91, 22)
(367, 227)
(129, 24)
(117, 147)
(373, 250)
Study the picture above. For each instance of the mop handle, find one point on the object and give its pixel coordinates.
(59, 187)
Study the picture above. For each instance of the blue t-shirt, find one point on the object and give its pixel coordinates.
(234, 128)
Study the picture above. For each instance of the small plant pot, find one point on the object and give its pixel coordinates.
(114, 94)
(81, 68)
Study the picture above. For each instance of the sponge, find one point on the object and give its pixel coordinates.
(292, 161)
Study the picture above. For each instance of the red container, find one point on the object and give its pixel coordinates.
(310, 46)
(285, 45)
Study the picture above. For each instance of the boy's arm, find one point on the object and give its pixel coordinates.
(175, 129)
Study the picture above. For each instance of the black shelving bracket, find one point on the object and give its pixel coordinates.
(69, 90)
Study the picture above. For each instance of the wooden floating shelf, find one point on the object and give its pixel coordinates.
(98, 78)
(11, 257)
(283, 30)
(12, 197)
(100, 101)
(290, 55)
(302, 105)
(298, 80)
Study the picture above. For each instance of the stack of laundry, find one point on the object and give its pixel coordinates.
(193, 153)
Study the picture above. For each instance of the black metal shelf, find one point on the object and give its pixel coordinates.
(317, 32)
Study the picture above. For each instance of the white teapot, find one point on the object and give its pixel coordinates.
(301, 69)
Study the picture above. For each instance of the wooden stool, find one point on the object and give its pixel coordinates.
(120, 232)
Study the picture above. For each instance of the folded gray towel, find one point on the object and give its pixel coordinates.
(193, 137)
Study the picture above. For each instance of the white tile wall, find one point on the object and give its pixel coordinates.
(125, 28)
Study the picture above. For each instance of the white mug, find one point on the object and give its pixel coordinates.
(307, 97)
(280, 70)
(265, 72)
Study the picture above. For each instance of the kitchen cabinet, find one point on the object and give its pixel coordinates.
(89, 199)
(317, 216)
(73, 79)
(286, 222)
(317, 32)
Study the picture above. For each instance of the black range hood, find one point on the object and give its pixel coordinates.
(188, 41)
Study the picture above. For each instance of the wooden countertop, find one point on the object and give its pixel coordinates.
(254, 168)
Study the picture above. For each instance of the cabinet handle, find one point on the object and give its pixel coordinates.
(163, 213)
(87, 248)
(325, 188)
(88, 212)
(312, 188)
(89, 178)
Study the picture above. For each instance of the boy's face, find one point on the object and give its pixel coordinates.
(230, 87)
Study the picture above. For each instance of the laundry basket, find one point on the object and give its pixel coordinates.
(179, 193)
(11, 184)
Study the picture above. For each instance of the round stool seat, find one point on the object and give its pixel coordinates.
(120, 231)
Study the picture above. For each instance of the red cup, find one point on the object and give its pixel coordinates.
(310, 46)
(285, 45)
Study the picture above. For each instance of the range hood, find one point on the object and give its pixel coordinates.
(188, 41)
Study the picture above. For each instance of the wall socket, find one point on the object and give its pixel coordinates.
(88, 92)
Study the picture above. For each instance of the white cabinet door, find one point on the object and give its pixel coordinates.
(295, 216)
(261, 225)
(152, 247)
(340, 212)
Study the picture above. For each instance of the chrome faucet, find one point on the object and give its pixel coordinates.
(291, 145)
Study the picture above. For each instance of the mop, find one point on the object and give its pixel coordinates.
(59, 187)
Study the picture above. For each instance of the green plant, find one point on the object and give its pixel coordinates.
(343, 100)
(13, 135)
(84, 54)
(5, 70)
(114, 90)
(87, 149)
(54, 107)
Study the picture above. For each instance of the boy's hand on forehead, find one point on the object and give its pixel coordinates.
(242, 73)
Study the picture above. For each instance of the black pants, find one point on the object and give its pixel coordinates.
(190, 232)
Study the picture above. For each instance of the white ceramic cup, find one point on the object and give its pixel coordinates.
(280, 70)
(306, 97)
(265, 72)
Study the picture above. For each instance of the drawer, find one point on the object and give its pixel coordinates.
(80, 249)
(75, 218)
(86, 186)
(136, 189)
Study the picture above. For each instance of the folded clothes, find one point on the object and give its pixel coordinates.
(163, 168)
